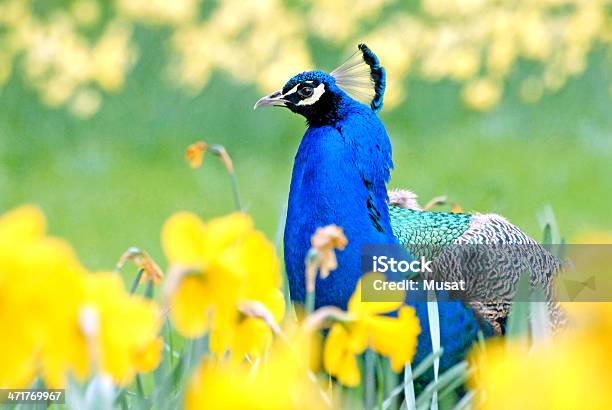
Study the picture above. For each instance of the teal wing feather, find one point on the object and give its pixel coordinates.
(426, 233)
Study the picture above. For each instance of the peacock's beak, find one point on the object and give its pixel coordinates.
(276, 98)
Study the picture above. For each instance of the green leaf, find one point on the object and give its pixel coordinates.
(454, 384)
(541, 328)
(136, 281)
(447, 378)
(465, 402)
(390, 381)
(434, 331)
(99, 394)
(370, 378)
(518, 319)
(150, 289)
(409, 376)
(427, 363)
(547, 235)
(409, 396)
(548, 222)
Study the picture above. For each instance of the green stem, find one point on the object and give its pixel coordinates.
(310, 302)
(391, 381)
(139, 386)
(312, 264)
(136, 281)
(236, 191)
(381, 381)
(370, 379)
(150, 289)
(170, 343)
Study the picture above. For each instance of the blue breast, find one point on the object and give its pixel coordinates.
(328, 188)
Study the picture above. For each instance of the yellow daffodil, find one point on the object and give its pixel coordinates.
(104, 330)
(215, 267)
(278, 384)
(369, 326)
(339, 356)
(40, 288)
(568, 372)
(126, 333)
(44, 292)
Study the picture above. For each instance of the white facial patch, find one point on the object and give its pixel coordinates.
(294, 89)
(318, 92)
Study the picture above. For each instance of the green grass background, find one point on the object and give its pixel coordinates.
(109, 182)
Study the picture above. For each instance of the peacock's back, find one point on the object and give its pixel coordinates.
(485, 251)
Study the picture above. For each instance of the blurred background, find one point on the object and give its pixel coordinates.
(502, 106)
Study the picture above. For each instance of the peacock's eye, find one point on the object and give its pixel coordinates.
(305, 91)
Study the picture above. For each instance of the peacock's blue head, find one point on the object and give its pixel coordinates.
(313, 94)
(318, 95)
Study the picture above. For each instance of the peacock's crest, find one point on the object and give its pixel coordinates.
(362, 77)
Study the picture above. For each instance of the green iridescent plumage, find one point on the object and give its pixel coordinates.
(425, 233)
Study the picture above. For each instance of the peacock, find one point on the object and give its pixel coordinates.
(340, 176)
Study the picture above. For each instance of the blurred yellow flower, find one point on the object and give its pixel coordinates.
(368, 326)
(282, 381)
(45, 295)
(86, 12)
(86, 103)
(112, 56)
(482, 94)
(466, 63)
(571, 371)
(158, 11)
(501, 55)
(40, 288)
(249, 333)
(278, 384)
(125, 338)
(339, 356)
(214, 267)
(435, 39)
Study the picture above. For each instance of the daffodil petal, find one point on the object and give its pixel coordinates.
(226, 231)
(349, 374)
(183, 239)
(395, 337)
(24, 222)
(359, 308)
(189, 308)
(334, 350)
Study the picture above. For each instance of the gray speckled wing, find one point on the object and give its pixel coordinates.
(479, 256)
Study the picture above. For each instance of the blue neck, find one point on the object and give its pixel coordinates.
(339, 177)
